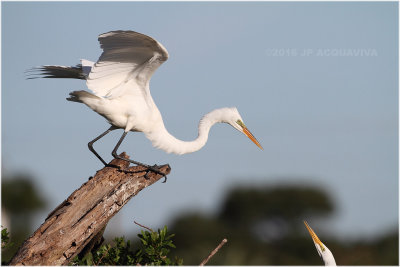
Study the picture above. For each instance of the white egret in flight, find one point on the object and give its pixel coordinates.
(323, 251)
(119, 85)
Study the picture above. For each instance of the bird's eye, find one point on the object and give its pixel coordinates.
(322, 248)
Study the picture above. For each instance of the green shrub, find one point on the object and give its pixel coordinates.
(5, 238)
(153, 250)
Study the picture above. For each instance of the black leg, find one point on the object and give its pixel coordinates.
(115, 155)
(90, 144)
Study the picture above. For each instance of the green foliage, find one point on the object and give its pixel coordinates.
(156, 247)
(153, 250)
(5, 238)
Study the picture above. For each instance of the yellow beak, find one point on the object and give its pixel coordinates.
(251, 136)
(314, 236)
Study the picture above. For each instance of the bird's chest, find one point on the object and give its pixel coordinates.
(144, 121)
(129, 114)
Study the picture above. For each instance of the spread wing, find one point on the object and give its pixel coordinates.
(128, 61)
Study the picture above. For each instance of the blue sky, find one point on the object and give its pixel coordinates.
(327, 118)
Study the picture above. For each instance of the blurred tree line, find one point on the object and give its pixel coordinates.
(20, 201)
(263, 225)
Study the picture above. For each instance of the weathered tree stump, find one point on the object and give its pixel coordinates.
(72, 225)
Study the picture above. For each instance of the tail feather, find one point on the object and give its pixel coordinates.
(75, 72)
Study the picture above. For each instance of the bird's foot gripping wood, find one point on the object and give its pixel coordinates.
(156, 169)
(160, 170)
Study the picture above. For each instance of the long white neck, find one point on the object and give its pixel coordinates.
(162, 139)
(328, 258)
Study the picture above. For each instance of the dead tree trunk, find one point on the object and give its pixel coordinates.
(71, 226)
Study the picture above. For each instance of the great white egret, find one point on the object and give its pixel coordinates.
(119, 82)
(323, 251)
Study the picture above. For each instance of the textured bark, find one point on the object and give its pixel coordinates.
(73, 224)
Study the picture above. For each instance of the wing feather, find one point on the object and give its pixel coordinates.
(127, 56)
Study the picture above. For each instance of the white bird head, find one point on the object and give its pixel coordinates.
(232, 117)
(323, 251)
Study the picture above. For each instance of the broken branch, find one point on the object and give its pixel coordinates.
(76, 221)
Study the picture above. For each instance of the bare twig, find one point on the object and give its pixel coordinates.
(213, 252)
(145, 227)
